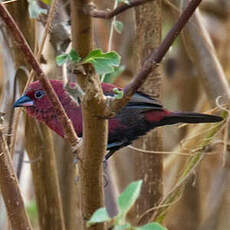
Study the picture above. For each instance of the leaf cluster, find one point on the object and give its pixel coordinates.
(124, 202)
(104, 63)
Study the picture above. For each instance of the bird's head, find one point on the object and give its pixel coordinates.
(37, 102)
(38, 105)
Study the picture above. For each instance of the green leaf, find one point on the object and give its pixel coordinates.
(118, 93)
(110, 77)
(35, 10)
(118, 26)
(122, 227)
(62, 59)
(103, 62)
(74, 56)
(71, 56)
(99, 216)
(151, 226)
(47, 2)
(129, 196)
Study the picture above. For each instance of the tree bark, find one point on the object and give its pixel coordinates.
(45, 178)
(10, 190)
(95, 128)
(148, 166)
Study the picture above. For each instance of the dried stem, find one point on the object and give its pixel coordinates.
(10, 190)
(110, 14)
(189, 168)
(155, 58)
(112, 29)
(31, 74)
(50, 18)
(70, 134)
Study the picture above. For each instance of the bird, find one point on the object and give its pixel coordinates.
(140, 115)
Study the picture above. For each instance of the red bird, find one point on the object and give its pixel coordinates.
(140, 115)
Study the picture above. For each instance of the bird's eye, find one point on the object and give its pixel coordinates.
(39, 94)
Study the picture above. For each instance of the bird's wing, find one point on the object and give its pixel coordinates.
(143, 101)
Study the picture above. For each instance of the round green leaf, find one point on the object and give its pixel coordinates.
(103, 62)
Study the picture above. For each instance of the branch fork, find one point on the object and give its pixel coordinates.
(108, 14)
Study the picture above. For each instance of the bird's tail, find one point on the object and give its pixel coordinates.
(185, 117)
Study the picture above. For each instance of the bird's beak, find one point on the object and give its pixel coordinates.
(24, 101)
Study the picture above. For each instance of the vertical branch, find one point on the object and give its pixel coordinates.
(94, 128)
(10, 190)
(81, 29)
(45, 178)
(112, 28)
(68, 185)
(148, 18)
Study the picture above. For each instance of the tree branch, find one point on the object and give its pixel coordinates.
(40, 149)
(92, 11)
(148, 16)
(155, 58)
(70, 134)
(95, 131)
(201, 51)
(10, 190)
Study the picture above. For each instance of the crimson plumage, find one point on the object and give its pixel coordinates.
(140, 115)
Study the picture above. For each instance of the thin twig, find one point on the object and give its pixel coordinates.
(50, 18)
(155, 58)
(92, 11)
(169, 152)
(70, 134)
(111, 32)
(112, 29)
(16, 117)
(31, 74)
(189, 168)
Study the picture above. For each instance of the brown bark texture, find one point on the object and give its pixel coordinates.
(148, 38)
(45, 178)
(94, 127)
(10, 190)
